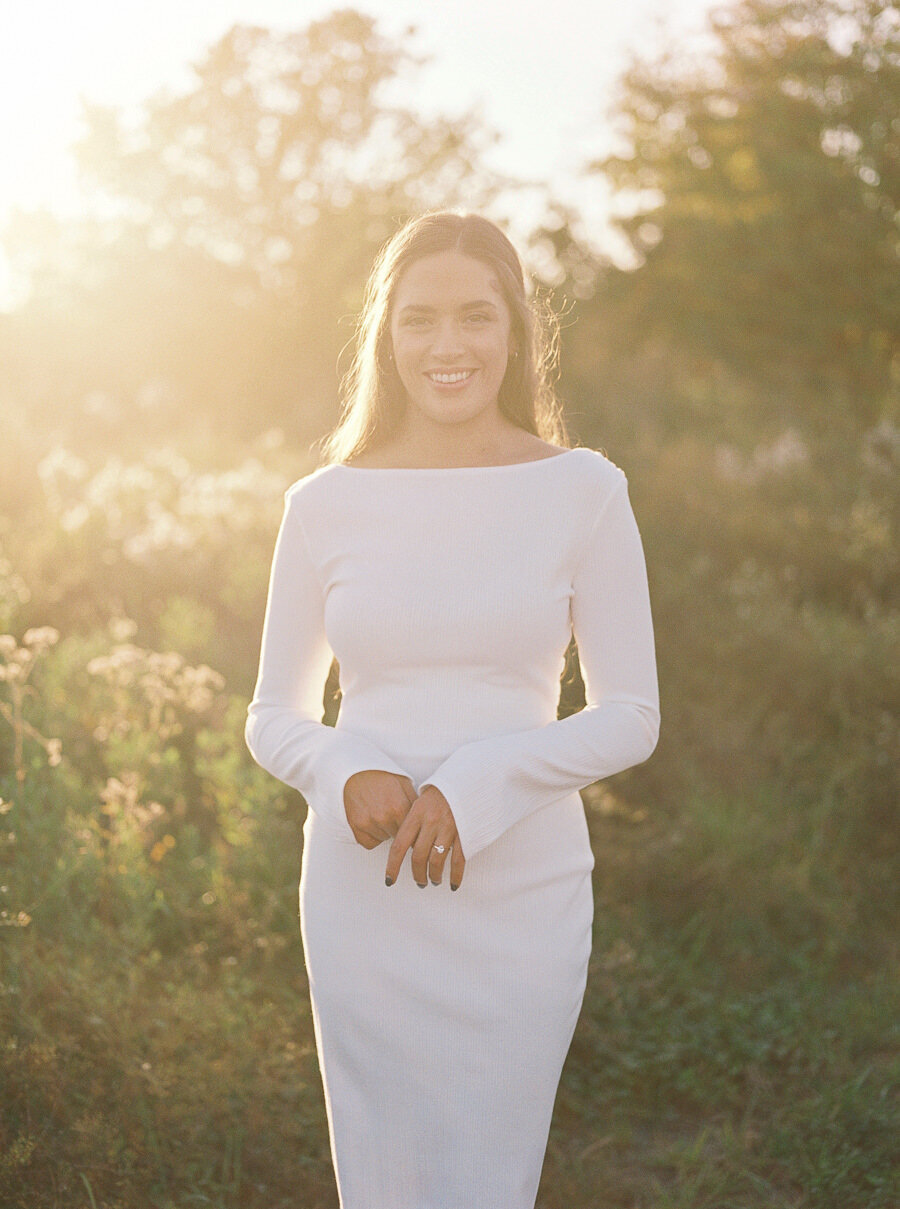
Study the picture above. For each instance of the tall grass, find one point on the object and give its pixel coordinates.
(738, 1046)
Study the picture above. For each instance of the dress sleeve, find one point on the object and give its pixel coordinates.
(284, 730)
(492, 783)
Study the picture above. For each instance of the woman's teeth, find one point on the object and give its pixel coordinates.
(448, 379)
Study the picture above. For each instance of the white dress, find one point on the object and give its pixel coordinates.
(448, 596)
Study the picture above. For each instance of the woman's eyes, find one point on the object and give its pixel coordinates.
(475, 319)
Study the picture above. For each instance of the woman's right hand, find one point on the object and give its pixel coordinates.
(376, 803)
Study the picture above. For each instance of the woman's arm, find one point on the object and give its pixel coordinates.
(284, 731)
(493, 783)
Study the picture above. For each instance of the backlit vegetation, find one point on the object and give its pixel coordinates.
(163, 381)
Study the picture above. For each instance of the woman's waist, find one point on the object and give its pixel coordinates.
(420, 738)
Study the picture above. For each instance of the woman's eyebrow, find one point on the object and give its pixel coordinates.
(479, 303)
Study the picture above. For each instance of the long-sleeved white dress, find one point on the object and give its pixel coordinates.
(448, 596)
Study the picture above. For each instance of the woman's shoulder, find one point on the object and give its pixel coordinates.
(595, 466)
(311, 486)
(591, 462)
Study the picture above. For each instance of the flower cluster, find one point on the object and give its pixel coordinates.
(122, 805)
(160, 503)
(17, 661)
(125, 818)
(167, 684)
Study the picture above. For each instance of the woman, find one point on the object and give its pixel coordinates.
(444, 554)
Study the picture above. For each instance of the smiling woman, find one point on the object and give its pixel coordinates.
(447, 564)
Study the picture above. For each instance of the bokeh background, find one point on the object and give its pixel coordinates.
(718, 230)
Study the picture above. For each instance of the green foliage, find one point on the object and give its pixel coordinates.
(734, 1047)
(767, 178)
(730, 1053)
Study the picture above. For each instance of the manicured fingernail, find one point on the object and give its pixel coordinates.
(389, 881)
(434, 883)
(452, 887)
(421, 885)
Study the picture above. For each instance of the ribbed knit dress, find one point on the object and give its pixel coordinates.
(448, 596)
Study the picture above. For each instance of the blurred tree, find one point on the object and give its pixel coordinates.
(240, 220)
(282, 132)
(762, 186)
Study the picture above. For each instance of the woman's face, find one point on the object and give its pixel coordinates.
(451, 336)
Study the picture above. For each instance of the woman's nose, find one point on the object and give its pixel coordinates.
(447, 340)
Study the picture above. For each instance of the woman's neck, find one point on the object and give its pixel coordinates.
(459, 445)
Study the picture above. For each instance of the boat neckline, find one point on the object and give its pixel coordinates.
(455, 469)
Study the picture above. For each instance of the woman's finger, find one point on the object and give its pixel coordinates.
(423, 849)
(437, 857)
(457, 865)
(429, 817)
(403, 841)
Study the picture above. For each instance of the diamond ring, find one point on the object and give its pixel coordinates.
(439, 848)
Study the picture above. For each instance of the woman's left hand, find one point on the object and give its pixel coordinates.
(429, 831)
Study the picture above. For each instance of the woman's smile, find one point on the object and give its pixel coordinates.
(450, 378)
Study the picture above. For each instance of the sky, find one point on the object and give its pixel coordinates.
(491, 54)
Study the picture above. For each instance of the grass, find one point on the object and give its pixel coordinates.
(738, 1044)
(737, 1048)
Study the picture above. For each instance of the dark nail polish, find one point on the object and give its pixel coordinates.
(389, 881)
(421, 885)
(434, 883)
(452, 887)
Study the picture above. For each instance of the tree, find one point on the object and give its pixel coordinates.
(241, 218)
(764, 186)
(281, 131)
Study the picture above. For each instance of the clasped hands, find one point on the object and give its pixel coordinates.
(383, 806)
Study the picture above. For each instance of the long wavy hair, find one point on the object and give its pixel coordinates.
(372, 395)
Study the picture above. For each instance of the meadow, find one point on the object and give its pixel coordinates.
(738, 1043)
